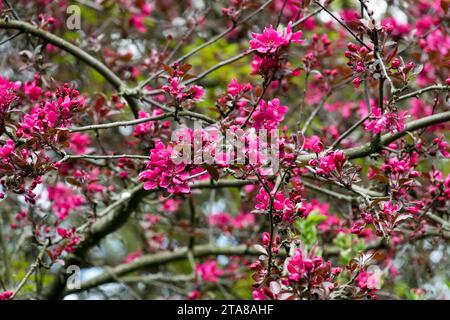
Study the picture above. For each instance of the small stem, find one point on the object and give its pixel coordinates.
(302, 104)
(271, 225)
(383, 67)
(197, 175)
(281, 13)
(255, 105)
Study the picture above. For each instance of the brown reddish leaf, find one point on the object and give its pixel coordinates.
(186, 67)
(168, 69)
(381, 178)
(392, 55)
(73, 181)
(445, 4)
(258, 91)
(378, 256)
(189, 76)
(213, 172)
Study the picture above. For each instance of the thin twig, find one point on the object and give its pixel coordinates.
(281, 13)
(348, 132)
(344, 25)
(30, 271)
(300, 21)
(255, 105)
(208, 43)
(315, 112)
(11, 38)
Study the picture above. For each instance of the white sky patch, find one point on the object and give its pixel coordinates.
(126, 131)
(325, 17)
(378, 7)
(198, 4)
(127, 45)
(215, 207)
(436, 255)
(399, 15)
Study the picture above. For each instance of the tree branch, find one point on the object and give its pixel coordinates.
(105, 157)
(339, 196)
(421, 91)
(164, 258)
(113, 217)
(163, 116)
(367, 149)
(96, 64)
(161, 258)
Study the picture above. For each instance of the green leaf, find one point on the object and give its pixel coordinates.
(315, 219)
